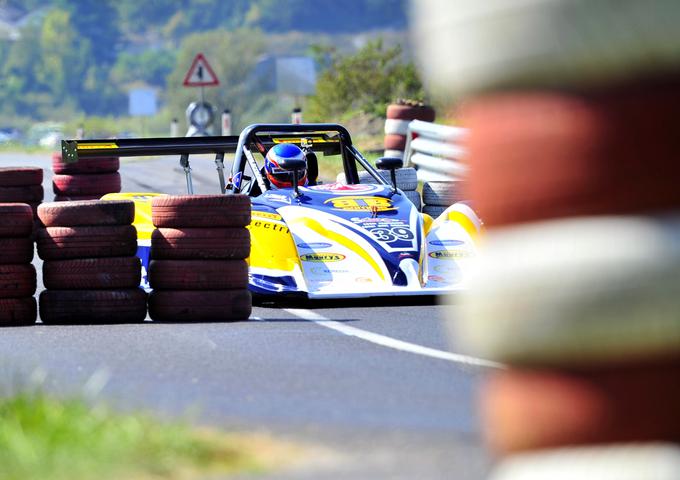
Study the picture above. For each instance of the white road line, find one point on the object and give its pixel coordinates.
(390, 342)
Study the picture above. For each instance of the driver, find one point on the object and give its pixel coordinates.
(277, 176)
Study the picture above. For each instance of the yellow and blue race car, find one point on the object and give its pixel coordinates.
(322, 240)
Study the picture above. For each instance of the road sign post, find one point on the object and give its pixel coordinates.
(200, 114)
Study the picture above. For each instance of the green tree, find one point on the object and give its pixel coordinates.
(64, 56)
(366, 81)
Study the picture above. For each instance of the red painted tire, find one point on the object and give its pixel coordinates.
(408, 112)
(16, 220)
(61, 243)
(92, 273)
(198, 274)
(85, 165)
(395, 142)
(89, 212)
(20, 176)
(200, 243)
(17, 281)
(26, 194)
(94, 184)
(201, 211)
(543, 155)
(92, 306)
(16, 250)
(200, 306)
(527, 410)
(77, 198)
(15, 312)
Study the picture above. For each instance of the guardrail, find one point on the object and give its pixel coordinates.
(435, 151)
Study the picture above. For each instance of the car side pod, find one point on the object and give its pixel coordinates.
(391, 164)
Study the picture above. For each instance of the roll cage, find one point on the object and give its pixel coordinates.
(326, 138)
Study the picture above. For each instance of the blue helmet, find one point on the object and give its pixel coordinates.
(279, 177)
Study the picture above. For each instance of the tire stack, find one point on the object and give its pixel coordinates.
(90, 270)
(86, 179)
(22, 185)
(198, 270)
(438, 196)
(399, 115)
(407, 181)
(17, 275)
(574, 170)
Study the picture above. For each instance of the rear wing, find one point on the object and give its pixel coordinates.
(329, 139)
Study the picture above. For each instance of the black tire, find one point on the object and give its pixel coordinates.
(92, 273)
(201, 211)
(394, 142)
(442, 194)
(200, 306)
(77, 198)
(25, 194)
(17, 281)
(20, 176)
(87, 213)
(198, 274)
(414, 198)
(15, 251)
(411, 112)
(16, 220)
(200, 243)
(15, 312)
(85, 165)
(92, 306)
(61, 243)
(433, 210)
(94, 184)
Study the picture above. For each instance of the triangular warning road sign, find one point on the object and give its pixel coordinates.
(200, 74)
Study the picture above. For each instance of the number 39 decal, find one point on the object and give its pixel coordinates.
(391, 234)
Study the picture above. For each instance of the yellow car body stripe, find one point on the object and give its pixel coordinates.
(467, 224)
(345, 242)
(96, 146)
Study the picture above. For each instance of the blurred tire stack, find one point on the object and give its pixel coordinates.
(86, 179)
(399, 115)
(198, 270)
(90, 270)
(17, 275)
(22, 185)
(572, 108)
(438, 196)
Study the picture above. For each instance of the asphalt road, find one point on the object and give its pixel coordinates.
(369, 386)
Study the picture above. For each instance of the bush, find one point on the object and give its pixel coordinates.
(366, 82)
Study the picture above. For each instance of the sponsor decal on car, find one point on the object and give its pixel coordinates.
(361, 204)
(277, 197)
(314, 245)
(322, 270)
(270, 216)
(446, 243)
(322, 257)
(450, 254)
(275, 227)
(236, 181)
(445, 269)
(436, 278)
(342, 189)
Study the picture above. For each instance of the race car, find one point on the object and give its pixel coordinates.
(320, 240)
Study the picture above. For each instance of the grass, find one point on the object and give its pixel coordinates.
(49, 439)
